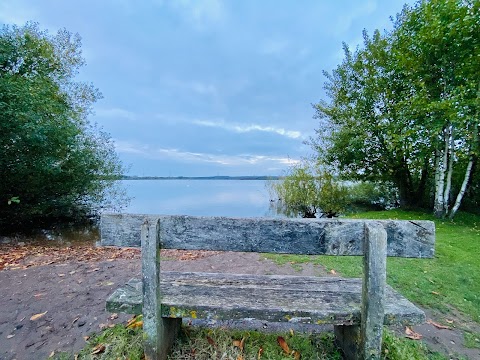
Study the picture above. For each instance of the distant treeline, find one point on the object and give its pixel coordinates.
(126, 177)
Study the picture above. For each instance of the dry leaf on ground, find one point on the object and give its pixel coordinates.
(98, 349)
(211, 341)
(283, 344)
(38, 316)
(239, 343)
(437, 325)
(296, 355)
(260, 352)
(409, 333)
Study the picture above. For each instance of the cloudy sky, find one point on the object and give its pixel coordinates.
(208, 87)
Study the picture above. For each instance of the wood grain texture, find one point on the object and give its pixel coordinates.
(373, 291)
(294, 236)
(274, 298)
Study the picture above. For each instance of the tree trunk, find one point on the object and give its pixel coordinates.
(458, 201)
(441, 161)
(446, 194)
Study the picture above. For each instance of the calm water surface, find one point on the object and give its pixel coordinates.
(235, 198)
(248, 198)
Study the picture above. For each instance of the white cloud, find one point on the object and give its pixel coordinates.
(240, 128)
(150, 152)
(116, 113)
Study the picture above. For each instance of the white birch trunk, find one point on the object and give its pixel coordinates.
(458, 201)
(446, 194)
(439, 208)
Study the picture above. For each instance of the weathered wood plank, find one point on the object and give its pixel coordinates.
(295, 236)
(373, 291)
(275, 298)
(160, 332)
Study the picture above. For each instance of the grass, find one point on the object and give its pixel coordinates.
(204, 344)
(448, 283)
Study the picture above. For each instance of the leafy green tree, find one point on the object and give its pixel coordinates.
(53, 162)
(404, 108)
(308, 191)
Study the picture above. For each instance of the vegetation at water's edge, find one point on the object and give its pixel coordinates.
(404, 107)
(54, 163)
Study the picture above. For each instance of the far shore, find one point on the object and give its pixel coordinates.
(262, 177)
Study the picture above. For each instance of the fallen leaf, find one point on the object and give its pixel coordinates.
(135, 324)
(52, 354)
(437, 325)
(333, 272)
(260, 352)
(296, 355)
(114, 316)
(409, 333)
(239, 357)
(211, 342)
(10, 336)
(98, 349)
(75, 357)
(86, 338)
(131, 321)
(239, 343)
(104, 326)
(283, 344)
(38, 316)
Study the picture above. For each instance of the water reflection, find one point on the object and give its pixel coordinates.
(234, 198)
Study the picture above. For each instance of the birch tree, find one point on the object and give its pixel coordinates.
(404, 107)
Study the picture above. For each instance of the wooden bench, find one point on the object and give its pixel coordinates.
(358, 308)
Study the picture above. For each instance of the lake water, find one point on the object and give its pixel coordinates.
(236, 198)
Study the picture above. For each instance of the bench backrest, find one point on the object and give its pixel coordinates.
(294, 236)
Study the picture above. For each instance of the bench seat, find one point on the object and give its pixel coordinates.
(273, 298)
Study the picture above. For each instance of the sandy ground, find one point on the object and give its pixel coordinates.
(71, 296)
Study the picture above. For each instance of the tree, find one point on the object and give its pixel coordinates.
(307, 191)
(53, 161)
(404, 108)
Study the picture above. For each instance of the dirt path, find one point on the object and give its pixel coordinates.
(71, 296)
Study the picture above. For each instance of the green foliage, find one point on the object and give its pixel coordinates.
(51, 157)
(372, 196)
(392, 101)
(307, 190)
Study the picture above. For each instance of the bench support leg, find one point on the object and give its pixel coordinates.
(159, 333)
(373, 290)
(347, 338)
(364, 341)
